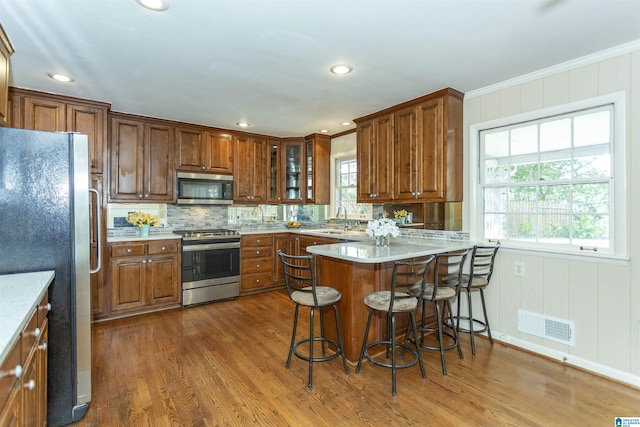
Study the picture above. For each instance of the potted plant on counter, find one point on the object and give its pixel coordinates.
(144, 221)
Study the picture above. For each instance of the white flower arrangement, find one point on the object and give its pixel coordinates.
(382, 227)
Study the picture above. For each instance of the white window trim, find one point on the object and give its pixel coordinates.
(620, 213)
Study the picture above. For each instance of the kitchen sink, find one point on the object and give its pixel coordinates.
(336, 232)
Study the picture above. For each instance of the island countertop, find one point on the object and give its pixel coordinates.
(367, 252)
(20, 295)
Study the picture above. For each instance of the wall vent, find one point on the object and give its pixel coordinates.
(551, 328)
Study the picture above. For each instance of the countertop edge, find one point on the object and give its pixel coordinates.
(157, 236)
(17, 306)
(368, 253)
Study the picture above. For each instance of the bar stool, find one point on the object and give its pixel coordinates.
(407, 285)
(480, 271)
(300, 280)
(450, 265)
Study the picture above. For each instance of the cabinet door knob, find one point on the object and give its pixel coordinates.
(257, 280)
(140, 196)
(257, 252)
(146, 196)
(43, 346)
(257, 265)
(30, 385)
(144, 261)
(203, 168)
(36, 332)
(129, 250)
(16, 372)
(150, 261)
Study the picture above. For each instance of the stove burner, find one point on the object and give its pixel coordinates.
(204, 234)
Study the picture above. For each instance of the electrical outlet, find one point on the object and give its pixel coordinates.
(518, 268)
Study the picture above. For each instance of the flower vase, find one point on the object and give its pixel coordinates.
(382, 240)
(144, 230)
(403, 220)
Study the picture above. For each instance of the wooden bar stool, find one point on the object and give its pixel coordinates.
(300, 279)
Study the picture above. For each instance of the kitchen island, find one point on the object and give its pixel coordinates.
(357, 269)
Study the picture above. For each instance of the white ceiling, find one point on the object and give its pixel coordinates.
(217, 62)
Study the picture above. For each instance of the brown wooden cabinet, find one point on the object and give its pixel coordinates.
(256, 255)
(23, 395)
(275, 183)
(293, 168)
(201, 150)
(144, 276)
(6, 50)
(249, 170)
(142, 167)
(426, 157)
(53, 113)
(281, 242)
(318, 169)
(375, 148)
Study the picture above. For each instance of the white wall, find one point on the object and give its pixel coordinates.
(600, 296)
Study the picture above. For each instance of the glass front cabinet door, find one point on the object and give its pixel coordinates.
(293, 158)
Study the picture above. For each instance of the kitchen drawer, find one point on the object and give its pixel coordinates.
(43, 308)
(163, 247)
(129, 249)
(256, 265)
(257, 240)
(255, 281)
(257, 252)
(30, 335)
(7, 376)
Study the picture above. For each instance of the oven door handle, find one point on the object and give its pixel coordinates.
(212, 246)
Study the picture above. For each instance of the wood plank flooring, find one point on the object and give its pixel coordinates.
(222, 364)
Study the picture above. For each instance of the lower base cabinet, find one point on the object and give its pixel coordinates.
(23, 374)
(260, 268)
(144, 276)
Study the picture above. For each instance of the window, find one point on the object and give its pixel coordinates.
(346, 191)
(550, 182)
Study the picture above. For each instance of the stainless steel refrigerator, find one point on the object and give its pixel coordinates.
(44, 225)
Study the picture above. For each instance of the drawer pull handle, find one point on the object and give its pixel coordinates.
(163, 248)
(129, 250)
(257, 265)
(30, 385)
(150, 261)
(36, 332)
(16, 372)
(43, 346)
(257, 252)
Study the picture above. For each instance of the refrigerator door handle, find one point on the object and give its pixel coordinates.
(98, 231)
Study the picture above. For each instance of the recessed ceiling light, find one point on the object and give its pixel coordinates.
(61, 77)
(341, 69)
(324, 130)
(243, 124)
(157, 5)
(346, 123)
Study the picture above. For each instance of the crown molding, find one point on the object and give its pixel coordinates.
(565, 66)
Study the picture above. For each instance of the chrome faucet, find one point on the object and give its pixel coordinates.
(255, 210)
(340, 208)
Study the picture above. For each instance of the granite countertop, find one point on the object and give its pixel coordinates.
(153, 236)
(400, 248)
(20, 295)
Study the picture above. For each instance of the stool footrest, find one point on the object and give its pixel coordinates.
(389, 365)
(337, 353)
(483, 325)
(454, 344)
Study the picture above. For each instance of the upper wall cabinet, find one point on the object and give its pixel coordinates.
(53, 113)
(249, 169)
(375, 168)
(142, 163)
(412, 152)
(318, 169)
(202, 150)
(5, 52)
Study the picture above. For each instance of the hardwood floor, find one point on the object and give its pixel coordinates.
(223, 364)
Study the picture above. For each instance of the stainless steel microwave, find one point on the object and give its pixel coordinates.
(204, 189)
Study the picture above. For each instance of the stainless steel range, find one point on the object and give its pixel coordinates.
(210, 265)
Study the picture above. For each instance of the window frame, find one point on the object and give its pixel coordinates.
(334, 188)
(619, 224)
